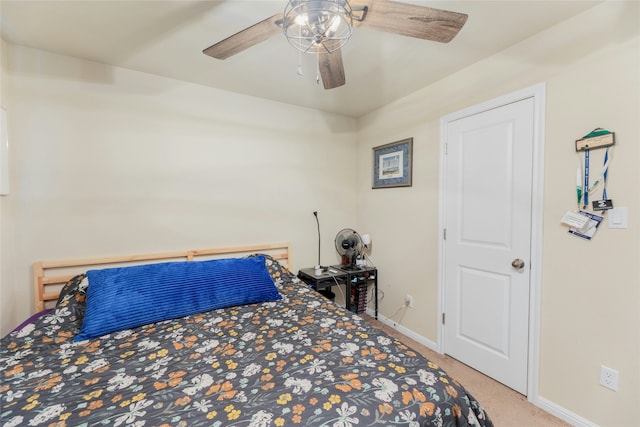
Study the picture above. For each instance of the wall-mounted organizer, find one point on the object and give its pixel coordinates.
(598, 138)
(587, 218)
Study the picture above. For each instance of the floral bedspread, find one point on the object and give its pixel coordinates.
(302, 360)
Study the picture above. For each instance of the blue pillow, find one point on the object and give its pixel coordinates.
(127, 297)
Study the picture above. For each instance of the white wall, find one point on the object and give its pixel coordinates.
(7, 299)
(109, 161)
(590, 290)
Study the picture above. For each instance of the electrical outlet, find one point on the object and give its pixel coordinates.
(408, 301)
(608, 378)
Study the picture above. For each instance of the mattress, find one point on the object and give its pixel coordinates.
(299, 360)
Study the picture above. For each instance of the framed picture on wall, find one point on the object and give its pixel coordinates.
(392, 164)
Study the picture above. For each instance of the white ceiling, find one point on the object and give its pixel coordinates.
(167, 38)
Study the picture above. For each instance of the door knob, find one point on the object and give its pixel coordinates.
(517, 263)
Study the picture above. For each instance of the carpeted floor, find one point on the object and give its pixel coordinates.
(505, 407)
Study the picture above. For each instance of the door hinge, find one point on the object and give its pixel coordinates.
(446, 148)
(443, 318)
(444, 234)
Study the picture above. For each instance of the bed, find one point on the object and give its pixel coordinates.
(292, 358)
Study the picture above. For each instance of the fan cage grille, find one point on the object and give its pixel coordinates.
(318, 26)
(350, 253)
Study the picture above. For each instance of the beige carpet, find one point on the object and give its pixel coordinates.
(505, 407)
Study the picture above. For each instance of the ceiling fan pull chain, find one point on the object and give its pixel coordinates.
(318, 71)
(300, 73)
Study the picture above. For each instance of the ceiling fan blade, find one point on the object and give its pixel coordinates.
(246, 38)
(331, 69)
(410, 20)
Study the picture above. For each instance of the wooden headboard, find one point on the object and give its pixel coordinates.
(50, 276)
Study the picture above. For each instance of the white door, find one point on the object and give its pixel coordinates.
(487, 214)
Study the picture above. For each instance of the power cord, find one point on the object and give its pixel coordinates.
(372, 295)
(398, 311)
(340, 289)
(368, 258)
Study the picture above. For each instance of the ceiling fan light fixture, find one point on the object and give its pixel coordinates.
(318, 26)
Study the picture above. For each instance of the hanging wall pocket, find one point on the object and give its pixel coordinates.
(599, 138)
(589, 230)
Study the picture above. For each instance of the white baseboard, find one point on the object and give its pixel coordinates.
(562, 413)
(408, 332)
(544, 404)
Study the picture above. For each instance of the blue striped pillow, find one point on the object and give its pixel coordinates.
(127, 297)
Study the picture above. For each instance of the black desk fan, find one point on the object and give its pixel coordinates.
(349, 246)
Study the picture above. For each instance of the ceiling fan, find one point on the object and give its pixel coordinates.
(322, 27)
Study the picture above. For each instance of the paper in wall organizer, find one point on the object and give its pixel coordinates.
(590, 228)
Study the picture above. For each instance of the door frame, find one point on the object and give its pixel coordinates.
(538, 93)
